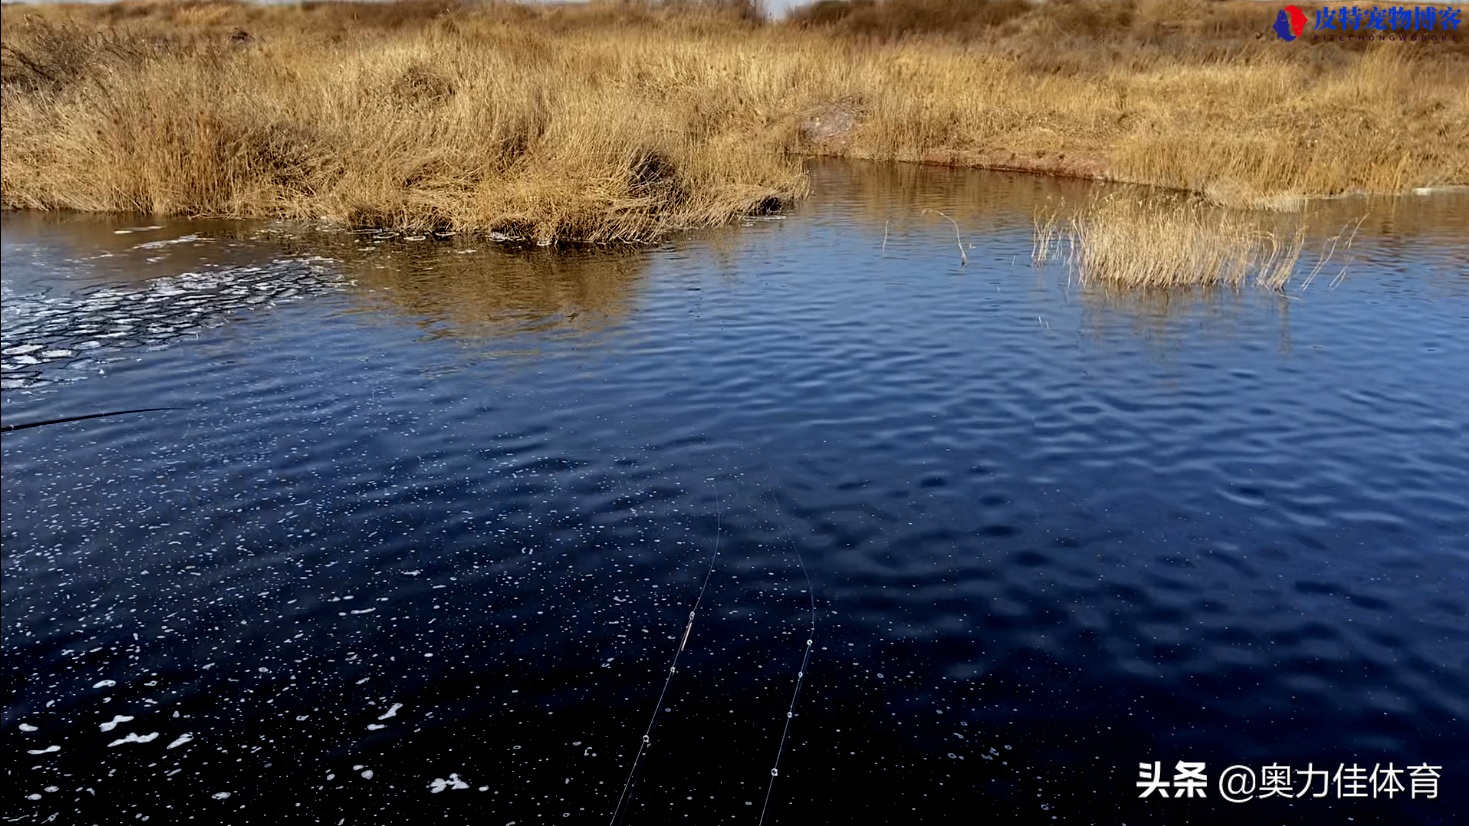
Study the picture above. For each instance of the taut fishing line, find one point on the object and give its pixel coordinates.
(637, 762)
(627, 788)
(795, 695)
(9, 427)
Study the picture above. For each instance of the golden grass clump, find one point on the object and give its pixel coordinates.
(491, 131)
(623, 121)
(1156, 243)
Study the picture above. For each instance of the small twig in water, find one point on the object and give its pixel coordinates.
(1330, 250)
(1320, 263)
(1341, 276)
(963, 259)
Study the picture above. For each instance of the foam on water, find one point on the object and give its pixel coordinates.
(453, 783)
(115, 721)
(48, 337)
(134, 737)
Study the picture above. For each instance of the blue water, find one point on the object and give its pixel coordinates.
(435, 514)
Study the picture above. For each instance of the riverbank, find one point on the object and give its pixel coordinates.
(625, 122)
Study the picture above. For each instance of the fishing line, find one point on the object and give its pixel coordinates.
(9, 427)
(795, 695)
(643, 747)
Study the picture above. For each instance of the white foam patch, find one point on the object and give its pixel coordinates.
(121, 718)
(26, 727)
(220, 795)
(438, 785)
(46, 750)
(375, 726)
(105, 684)
(391, 712)
(134, 737)
(182, 739)
(153, 245)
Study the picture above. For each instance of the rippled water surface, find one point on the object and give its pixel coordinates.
(419, 539)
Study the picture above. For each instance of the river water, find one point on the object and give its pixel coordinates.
(419, 537)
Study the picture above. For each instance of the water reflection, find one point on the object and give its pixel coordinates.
(58, 252)
(473, 288)
(980, 201)
(81, 291)
(983, 200)
(470, 287)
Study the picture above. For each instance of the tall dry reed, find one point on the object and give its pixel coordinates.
(1124, 240)
(624, 121)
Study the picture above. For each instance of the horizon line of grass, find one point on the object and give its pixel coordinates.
(617, 122)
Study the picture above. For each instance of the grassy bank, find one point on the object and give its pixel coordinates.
(626, 121)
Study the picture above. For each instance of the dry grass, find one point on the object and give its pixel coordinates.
(412, 124)
(624, 121)
(1154, 243)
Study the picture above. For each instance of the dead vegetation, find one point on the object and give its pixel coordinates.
(624, 121)
(1156, 242)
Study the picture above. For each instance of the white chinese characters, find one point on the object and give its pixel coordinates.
(1241, 784)
(1188, 779)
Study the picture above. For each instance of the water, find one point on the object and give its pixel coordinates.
(420, 539)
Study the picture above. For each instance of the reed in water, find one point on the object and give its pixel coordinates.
(1123, 240)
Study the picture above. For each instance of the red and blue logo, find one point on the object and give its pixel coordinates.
(1290, 23)
(1418, 23)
